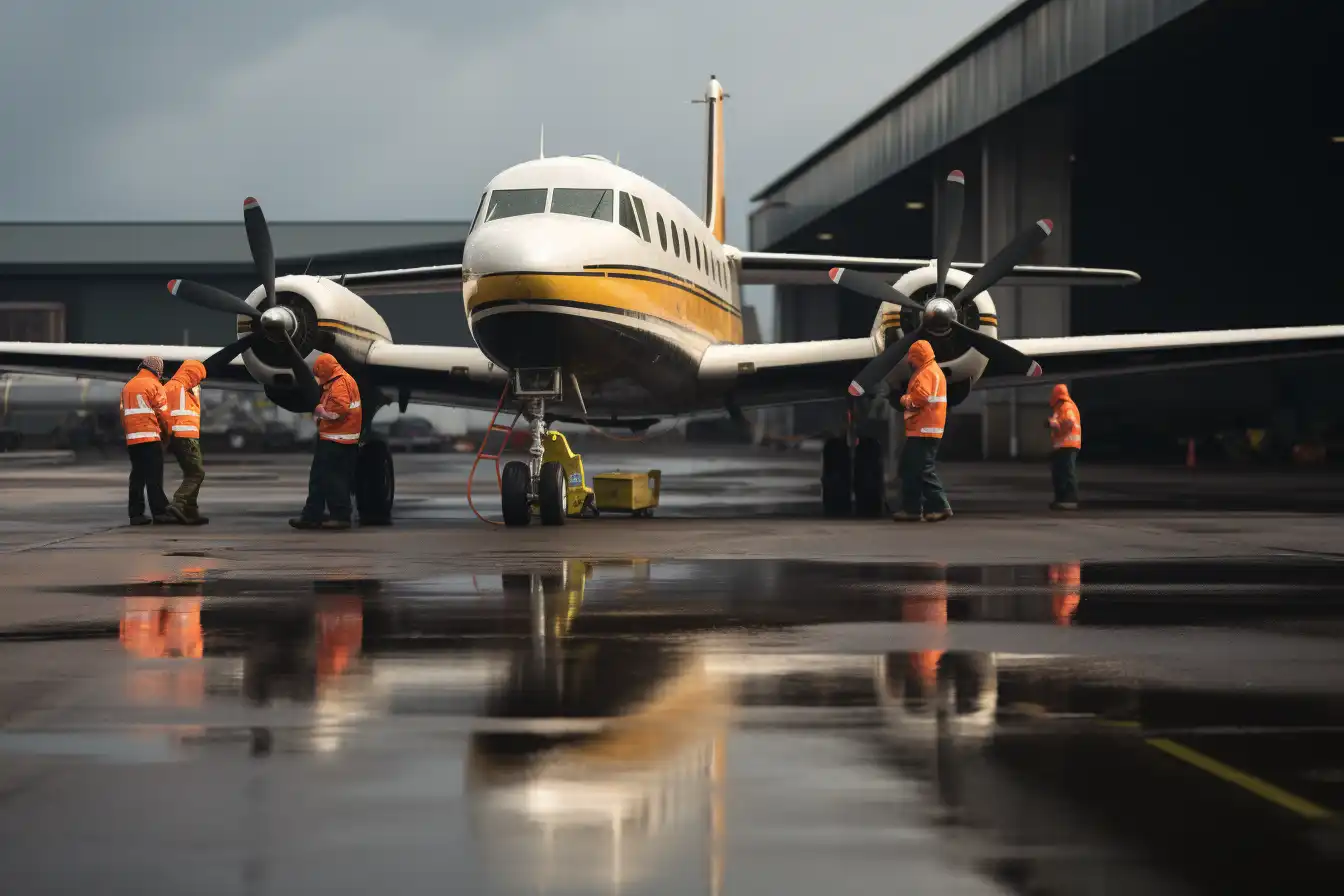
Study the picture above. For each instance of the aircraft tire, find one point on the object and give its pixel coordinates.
(375, 484)
(552, 500)
(513, 487)
(835, 478)
(869, 484)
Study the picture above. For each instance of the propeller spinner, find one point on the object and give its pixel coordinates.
(939, 314)
(277, 323)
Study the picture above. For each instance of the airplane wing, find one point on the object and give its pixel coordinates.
(794, 372)
(405, 281)
(775, 268)
(436, 374)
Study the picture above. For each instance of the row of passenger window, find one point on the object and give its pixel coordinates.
(597, 203)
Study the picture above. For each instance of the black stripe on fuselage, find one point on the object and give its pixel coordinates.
(695, 289)
(589, 306)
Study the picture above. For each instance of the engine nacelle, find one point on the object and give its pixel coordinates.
(327, 318)
(958, 364)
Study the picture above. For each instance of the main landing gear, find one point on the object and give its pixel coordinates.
(852, 479)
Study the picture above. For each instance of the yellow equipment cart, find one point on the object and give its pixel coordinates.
(633, 493)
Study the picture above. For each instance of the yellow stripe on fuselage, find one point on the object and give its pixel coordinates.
(621, 290)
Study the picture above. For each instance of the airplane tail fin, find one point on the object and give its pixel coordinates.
(714, 201)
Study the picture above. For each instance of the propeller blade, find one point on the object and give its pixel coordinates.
(211, 297)
(216, 363)
(1009, 257)
(949, 213)
(303, 377)
(873, 287)
(1012, 361)
(259, 241)
(878, 369)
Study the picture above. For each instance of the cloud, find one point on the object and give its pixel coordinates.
(343, 109)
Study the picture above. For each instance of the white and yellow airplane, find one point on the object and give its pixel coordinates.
(592, 294)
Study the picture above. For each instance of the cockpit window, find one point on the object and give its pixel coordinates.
(582, 203)
(508, 203)
(628, 219)
(476, 218)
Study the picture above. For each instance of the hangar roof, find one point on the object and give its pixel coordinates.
(222, 243)
(1030, 48)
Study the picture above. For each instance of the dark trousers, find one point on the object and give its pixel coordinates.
(146, 478)
(1064, 474)
(192, 464)
(921, 490)
(329, 481)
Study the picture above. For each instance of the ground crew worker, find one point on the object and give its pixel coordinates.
(184, 407)
(339, 421)
(144, 416)
(924, 406)
(1066, 438)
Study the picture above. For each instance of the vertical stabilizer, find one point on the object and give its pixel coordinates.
(714, 202)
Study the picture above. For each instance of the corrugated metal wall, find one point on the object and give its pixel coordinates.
(1050, 45)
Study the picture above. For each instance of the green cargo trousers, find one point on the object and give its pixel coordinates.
(188, 454)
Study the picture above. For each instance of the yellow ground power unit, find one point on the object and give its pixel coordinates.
(633, 493)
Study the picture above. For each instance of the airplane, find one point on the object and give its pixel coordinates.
(594, 295)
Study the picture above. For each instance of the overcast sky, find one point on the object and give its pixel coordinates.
(355, 109)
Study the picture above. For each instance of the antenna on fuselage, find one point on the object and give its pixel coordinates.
(541, 153)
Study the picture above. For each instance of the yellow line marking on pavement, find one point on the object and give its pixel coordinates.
(1260, 788)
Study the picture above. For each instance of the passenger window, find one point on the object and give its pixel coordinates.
(686, 241)
(628, 220)
(676, 243)
(476, 218)
(510, 203)
(582, 203)
(662, 231)
(643, 219)
(698, 264)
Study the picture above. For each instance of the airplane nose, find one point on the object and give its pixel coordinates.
(532, 243)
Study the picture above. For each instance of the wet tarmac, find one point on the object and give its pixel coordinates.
(239, 711)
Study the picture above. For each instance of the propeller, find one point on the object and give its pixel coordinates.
(277, 322)
(939, 314)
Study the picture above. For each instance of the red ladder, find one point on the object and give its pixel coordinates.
(481, 454)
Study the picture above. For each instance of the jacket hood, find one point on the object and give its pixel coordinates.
(190, 374)
(1059, 393)
(326, 367)
(921, 353)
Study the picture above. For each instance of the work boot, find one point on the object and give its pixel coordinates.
(901, 516)
(195, 519)
(140, 520)
(937, 516)
(166, 519)
(335, 524)
(1064, 505)
(301, 523)
(178, 513)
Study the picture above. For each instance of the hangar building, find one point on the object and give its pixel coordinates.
(1198, 142)
(106, 282)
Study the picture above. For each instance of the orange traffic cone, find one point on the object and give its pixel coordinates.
(1190, 453)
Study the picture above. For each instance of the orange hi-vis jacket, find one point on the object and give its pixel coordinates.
(1066, 426)
(340, 416)
(925, 398)
(144, 409)
(184, 400)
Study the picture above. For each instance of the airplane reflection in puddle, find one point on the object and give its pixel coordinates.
(592, 757)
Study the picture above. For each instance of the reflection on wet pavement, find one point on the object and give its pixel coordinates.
(779, 727)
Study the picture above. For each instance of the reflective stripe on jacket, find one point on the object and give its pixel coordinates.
(184, 400)
(925, 399)
(144, 409)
